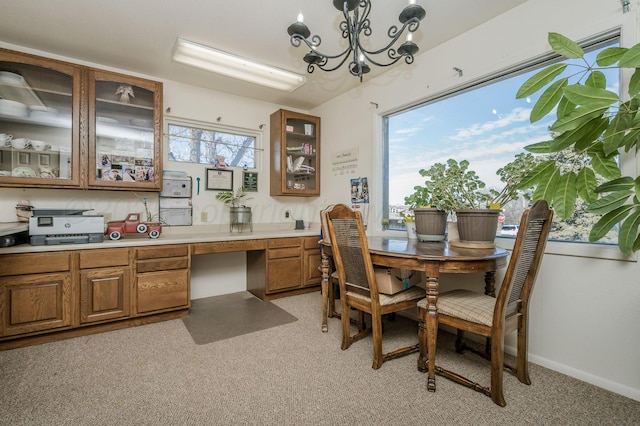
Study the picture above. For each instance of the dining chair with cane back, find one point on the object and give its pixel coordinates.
(494, 317)
(358, 287)
(328, 298)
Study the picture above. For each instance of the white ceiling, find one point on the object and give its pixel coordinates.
(139, 35)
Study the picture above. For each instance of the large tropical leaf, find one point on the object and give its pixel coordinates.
(546, 189)
(549, 99)
(539, 80)
(578, 116)
(542, 172)
(614, 135)
(587, 95)
(596, 79)
(542, 147)
(610, 56)
(631, 58)
(564, 46)
(625, 183)
(565, 194)
(584, 141)
(607, 167)
(564, 107)
(607, 222)
(585, 133)
(629, 232)
(634, 83)
(609, 202)
(586, 184)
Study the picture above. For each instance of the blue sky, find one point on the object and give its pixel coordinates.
(486, 126)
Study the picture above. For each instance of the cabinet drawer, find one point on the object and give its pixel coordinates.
(102, 258)
(157, 291)
(34, 263)
(280, 253)
(164, 264)
(284, 242)
(311, 243)
(162, 251)
(228, 246)
(284, 274)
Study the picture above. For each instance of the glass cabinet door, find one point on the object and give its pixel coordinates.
(39, 121)
(124, 132)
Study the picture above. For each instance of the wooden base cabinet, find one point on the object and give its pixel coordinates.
(162, 278)
(312, 261)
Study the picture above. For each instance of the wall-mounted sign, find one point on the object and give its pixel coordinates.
(250, 181)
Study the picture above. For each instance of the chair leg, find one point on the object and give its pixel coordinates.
(422, 340)
(345, 320)
(376, 326)
(460, 346)
(497, 368)
(522, 362)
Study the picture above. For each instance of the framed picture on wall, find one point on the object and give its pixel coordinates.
(219, 180)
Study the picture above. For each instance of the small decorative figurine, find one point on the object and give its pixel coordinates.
(125, 91)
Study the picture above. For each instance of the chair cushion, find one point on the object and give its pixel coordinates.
(412, 293)
(465, 304)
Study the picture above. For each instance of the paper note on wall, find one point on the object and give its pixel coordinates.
(345, 162)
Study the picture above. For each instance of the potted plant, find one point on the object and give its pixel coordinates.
(239, 213)
(427, 220)
(455, 189)
(593, 125)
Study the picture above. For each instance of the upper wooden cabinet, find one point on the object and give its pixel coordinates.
(69, 126)
(295, 154)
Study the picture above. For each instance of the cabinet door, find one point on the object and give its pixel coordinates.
(312, 261)
(104, 294)
(295, 154)
(36, 302)
(40, 108)
(125, 132)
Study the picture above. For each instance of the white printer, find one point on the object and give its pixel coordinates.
(53, 226)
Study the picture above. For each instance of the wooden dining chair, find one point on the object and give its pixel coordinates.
(494, 317)
(328, 297)
(358, 287)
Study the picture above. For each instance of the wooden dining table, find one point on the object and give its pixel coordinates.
(433, 258)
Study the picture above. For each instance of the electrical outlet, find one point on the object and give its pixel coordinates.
(287, 214)
(204, 217)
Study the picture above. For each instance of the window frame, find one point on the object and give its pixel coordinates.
(628, 162)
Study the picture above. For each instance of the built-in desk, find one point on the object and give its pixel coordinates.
(53, 292)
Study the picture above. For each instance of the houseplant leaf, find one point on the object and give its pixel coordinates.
(625, 183)
(564, 108)
(577, 116)
(607, 222)
(564, 46)
(628, 232)
(596, 79)
(610, 56)
(565, 194)
(587, 131)
(610, 202)
(543, 171)
(539, 80)
(634, 84)
(592, 96)
(631, 58)
(606, 167)
(586, 183)
(549, 98)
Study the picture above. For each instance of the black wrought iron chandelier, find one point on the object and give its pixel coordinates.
(356, 24)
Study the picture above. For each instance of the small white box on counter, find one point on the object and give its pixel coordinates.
(176, 187)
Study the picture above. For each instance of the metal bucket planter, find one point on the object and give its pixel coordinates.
(477, 227)
(431, 224)
(240, 216)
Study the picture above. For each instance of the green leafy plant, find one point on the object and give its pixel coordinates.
(593, 125)
(233, 198)
(452, 186)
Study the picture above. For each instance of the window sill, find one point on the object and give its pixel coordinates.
(563, 248)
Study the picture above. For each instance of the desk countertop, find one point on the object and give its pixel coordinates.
(173, 235)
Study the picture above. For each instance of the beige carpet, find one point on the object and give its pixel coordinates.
(217, 318)
(292, 374)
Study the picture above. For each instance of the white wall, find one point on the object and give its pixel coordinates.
(585, 311)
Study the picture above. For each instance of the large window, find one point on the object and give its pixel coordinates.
(483, 123)
(207, 144)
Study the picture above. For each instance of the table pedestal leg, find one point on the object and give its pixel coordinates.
(432, 327)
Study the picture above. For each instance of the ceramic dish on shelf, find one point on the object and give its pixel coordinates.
(9, 107)
(106, 120)
(23, 172)
(5, 173)
(11, 78)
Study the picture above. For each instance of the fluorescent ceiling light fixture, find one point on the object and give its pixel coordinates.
(207, 58)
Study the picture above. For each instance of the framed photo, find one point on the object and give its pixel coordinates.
(23, 159)
(44, 160)
(219, 180)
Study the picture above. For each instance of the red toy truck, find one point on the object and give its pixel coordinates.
(132, 225)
